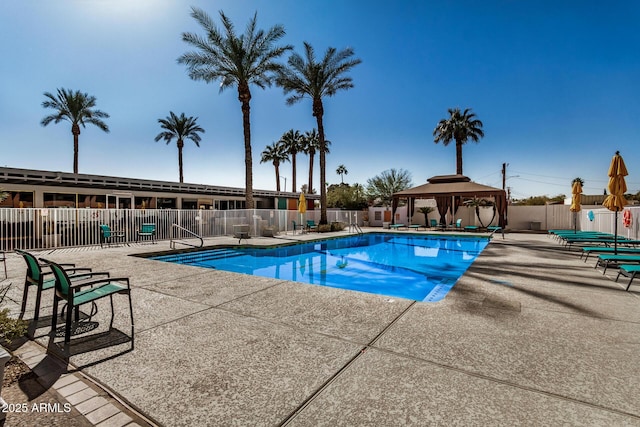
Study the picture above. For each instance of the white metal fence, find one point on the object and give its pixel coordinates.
(35, 228)
(605, 220)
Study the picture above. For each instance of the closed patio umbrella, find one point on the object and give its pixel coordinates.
(615, 201)
(302, 207)
(576, 191)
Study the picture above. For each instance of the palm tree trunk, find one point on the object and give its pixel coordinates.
(318, 112)
(458, 157)
(277, 177)
(310, 189)
(75, 130)
(244, 95)
(180, 145)
(293, 172)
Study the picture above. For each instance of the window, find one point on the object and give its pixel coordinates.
(18, 199)
(59, 200)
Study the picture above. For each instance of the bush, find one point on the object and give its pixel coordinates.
(323, 228)
(337, 226)
(11, 328)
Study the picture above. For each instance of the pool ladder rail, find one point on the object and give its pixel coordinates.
(356, 227)
(173, 241)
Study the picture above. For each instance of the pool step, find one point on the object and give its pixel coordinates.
(197, 258)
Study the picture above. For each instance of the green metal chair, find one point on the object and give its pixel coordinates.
(297, 226)
(107, 235)
(44, 280)
(77, 294)
(311, 225)
(147, 230)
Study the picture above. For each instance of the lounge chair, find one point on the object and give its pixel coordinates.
(586, 251)
(414, 227)
(606, 259)
(628, 271)
(311, 225)
(605, 241)
(77, 294)
(396, 226)
(107, 235)
(147, 230)
(43, 280)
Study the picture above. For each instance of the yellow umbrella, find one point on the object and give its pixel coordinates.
(576, 191)
(615, 201)
(302, 204)
(302, 207)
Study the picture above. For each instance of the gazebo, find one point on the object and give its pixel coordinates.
(449, 191)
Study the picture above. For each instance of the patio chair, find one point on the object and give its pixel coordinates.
(311, 225)
(107, 235)
(147, 230)
(297, 226)
(433, 223)
(77, 294)
(456, 226)
(43, 280)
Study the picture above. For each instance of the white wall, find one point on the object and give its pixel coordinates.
(547, 217)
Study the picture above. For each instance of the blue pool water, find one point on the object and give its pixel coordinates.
(422, 268)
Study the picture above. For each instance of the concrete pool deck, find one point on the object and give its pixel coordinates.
(529, 335)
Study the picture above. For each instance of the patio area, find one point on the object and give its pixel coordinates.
(530, 335)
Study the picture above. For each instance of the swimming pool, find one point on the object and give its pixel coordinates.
(418, 267)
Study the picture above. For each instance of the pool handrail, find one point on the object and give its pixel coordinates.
(172, 241)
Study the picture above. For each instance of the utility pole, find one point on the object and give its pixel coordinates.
(504, 175)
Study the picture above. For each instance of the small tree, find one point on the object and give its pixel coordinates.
(479, 203)
(382, 187)
(426, 210)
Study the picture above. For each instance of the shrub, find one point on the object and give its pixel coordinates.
(11, 328)
(337, 226)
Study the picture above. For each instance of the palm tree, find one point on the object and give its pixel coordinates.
(181, 128)
(236, 61)
(292, 143)
(275, 153)
(342, 170)
(311, 145)
(459, 127)
(77, 108)
(307, 78)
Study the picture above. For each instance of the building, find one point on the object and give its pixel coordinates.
(29, 188)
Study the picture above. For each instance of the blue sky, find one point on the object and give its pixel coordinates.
(557, 85)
